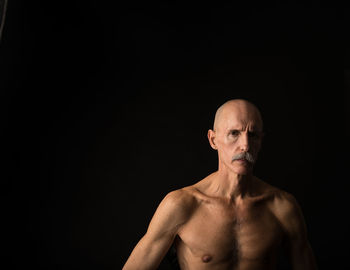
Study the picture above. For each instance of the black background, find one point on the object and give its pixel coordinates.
(105, 108)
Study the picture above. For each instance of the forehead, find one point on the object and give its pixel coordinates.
(241, 117)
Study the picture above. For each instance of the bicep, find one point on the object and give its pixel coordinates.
(149, 252)
(298, 247)
(300, 255)
(160, 235)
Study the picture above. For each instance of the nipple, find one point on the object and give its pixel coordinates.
(206, 258)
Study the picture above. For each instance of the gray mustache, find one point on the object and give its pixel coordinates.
(244, 155)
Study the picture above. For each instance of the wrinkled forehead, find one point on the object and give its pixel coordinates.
(243, 116)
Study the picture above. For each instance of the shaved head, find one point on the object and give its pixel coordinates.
(237, 107)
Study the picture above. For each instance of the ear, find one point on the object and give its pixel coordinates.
(211, 138)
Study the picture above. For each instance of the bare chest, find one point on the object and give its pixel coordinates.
(228, 234)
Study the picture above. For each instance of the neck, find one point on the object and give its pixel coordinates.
(231, 186)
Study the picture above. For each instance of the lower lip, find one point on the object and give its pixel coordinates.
(242, 161)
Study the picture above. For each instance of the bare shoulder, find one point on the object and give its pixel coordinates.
(287, 210)
(179, 203)
(285, 204)
(173, 211)
(280, 199)
(282, 203)
(180, 198)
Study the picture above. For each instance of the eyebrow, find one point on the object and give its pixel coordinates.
(234, 128)
(254, 130)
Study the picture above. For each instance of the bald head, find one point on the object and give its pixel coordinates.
(240, 108)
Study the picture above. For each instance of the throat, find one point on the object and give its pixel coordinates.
(233, 187)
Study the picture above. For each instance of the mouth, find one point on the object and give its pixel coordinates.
(242, 161)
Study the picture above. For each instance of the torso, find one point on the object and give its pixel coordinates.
(221, 235)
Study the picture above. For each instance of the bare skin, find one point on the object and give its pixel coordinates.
(230, 219)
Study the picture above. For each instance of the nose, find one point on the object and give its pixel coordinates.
(244, 142)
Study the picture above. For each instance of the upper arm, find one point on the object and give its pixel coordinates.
(171, 213)
(292, 220)
(298, 248)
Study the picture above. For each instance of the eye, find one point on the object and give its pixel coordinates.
(253, 135)
(234, 133)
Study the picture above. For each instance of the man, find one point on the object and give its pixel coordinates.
(230, 219)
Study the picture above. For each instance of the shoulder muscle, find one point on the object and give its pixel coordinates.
(288, 212)
(173, 211)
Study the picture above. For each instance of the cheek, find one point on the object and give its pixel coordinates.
(228, 142)
(226, 150)
(256, 147)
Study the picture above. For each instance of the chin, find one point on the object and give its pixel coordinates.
(242, 170)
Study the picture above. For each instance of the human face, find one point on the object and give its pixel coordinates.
(239, 133)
